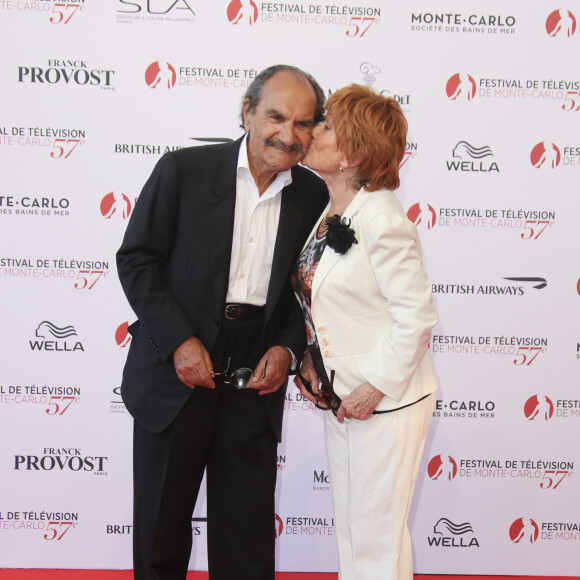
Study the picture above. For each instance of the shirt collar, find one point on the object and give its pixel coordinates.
(282, 179)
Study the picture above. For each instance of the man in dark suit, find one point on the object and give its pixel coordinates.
(206, 264)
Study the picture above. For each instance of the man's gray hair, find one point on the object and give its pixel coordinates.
(254, 92)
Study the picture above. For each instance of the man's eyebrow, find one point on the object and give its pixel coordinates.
(275, 112)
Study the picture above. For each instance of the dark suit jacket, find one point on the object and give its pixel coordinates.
(174, 268)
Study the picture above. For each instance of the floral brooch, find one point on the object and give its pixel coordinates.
(340, 236)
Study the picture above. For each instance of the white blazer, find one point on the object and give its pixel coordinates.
(372, 307)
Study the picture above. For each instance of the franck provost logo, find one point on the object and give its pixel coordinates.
(61, 460)
(66, 72)
(448, 534)
(369, 72)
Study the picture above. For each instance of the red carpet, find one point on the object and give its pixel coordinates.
(17, 574)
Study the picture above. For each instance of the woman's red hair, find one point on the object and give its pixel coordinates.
(371, 130)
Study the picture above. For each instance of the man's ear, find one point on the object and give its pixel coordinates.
(245, 108)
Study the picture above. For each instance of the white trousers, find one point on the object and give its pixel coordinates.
(373, 467)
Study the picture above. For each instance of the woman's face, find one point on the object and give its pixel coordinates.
(324, 156)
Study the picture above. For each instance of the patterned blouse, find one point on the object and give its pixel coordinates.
(302, 280)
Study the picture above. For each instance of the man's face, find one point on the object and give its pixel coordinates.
(280, 128)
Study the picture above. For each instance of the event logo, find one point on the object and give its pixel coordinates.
(53, 525)
(422, 215)
(56, 401)
(447, 534)
(472, 159)
(356, 21)
(294, 401)
(545, 154)
(160, 73)
(65, 459)
(131, 11)
(58, 336)
(442, 467)
(461, 87)
(524, 530)
(549, 473)
(305, 526)
(57, 12)
(532, 222)
(116, 204)
(67, 72)
(561, 23)
(539, 407)
(60, 143)
(122, 336)
(523, 350)
(278, 525)
(242, 11)
(83, 273)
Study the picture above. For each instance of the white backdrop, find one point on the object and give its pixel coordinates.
(93, 92)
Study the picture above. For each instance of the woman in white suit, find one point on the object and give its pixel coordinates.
(369, 313)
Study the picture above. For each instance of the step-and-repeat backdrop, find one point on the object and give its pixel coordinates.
(95, 91)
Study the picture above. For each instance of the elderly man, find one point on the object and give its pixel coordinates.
(205, 264)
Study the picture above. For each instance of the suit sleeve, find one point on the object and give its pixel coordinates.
(394, 252)
(144, 255)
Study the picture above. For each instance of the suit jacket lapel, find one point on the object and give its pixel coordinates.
(329, 257)
(220, 219)
(285, 245)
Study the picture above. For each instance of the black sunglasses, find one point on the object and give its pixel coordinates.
(326, 400)
(238, 379)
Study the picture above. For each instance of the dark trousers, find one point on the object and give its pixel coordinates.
(229, 433)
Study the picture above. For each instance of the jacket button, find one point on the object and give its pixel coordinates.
(327, 353)
(321, 329)
(325, 342)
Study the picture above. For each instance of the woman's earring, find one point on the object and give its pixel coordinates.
(341, 168)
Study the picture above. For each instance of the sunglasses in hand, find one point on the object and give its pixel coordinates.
(325, 399)
(238, 379)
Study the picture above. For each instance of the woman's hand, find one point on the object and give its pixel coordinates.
(308, 372)
(360, 404)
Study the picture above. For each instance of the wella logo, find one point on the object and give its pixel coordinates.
(47, 329)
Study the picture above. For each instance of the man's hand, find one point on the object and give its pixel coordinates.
(308, 372)
(268, 378)
(193, 364)
(360, 404)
